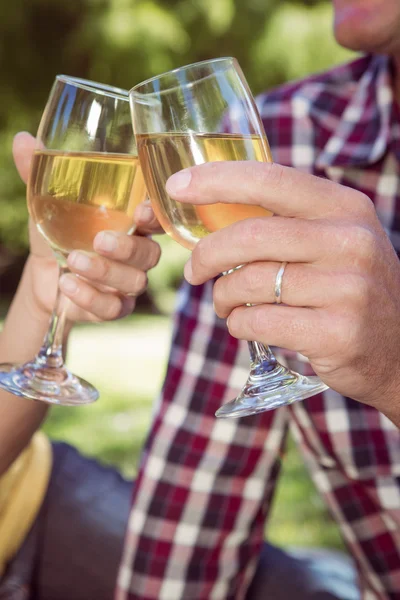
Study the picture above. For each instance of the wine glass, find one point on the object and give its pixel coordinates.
(84, 178)
(195, 114)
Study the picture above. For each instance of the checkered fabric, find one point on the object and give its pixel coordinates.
(205, 485)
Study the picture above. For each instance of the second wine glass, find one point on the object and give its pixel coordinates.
(202, 113)
(84, 178)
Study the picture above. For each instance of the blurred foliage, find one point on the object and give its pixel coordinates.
(124, 41)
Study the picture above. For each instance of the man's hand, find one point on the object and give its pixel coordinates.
(340, 289)
(102, 285)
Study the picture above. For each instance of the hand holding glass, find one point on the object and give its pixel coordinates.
(201, 113)
(84, 178)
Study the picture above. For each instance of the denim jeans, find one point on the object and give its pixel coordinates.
(73, 549)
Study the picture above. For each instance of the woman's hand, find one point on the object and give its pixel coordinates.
(102, 285)
(341, 286)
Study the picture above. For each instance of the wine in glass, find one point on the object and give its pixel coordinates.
(85, 177)
(192, 115)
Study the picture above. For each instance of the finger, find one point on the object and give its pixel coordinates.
(283, 190)
(146, 220)
(134, 250)
(303, 330)
(104, 306)
(302, 285)
(24, 145)
(273, 239)
(122, 277)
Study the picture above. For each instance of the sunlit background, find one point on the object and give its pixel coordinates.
(122, 42)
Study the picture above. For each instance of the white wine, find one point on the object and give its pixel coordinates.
(163, 154)
(72, 196)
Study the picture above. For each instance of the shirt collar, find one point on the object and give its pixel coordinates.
(362, 134)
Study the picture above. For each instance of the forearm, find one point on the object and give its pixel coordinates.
(21, 338)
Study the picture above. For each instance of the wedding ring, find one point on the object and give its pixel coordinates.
(278, 283)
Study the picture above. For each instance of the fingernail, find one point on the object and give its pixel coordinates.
(144, 213)
(79, 261)
(178, 182)
(187, 271)
(107, 241)
(68, 284)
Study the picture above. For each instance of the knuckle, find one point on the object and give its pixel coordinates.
(253, 278)
(112, 309)
(359, 242)
(199, 256)
(89, 298)
(365, 242)
(262, 175)
(128, 304)
(103, 268)
(212, 171)
(220, 297)
(129, 248)
(365, 205)
(141, 281)
(258, 321)
(154, 254)
(219, 293)
(234, 322)
(268, 174)
(356, 289)
(207, 176)
(276, 174)
(254, 229)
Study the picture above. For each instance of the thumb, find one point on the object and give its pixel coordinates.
(23, 146)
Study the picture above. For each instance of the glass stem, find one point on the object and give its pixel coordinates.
(51, 353)
(261, 357)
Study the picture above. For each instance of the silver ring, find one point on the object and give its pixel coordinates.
(278, 283)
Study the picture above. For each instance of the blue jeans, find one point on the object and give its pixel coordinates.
(74, 547)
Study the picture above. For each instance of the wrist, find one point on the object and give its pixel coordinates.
(38, 310)
(27, 289)
(28, 315)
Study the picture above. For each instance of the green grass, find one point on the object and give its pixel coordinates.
(112, 430)
(299, 516)
(126, 360)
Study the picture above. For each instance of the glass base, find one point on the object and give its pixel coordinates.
(279, 387)
(47, 384)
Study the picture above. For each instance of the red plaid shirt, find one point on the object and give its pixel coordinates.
(205, 485)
